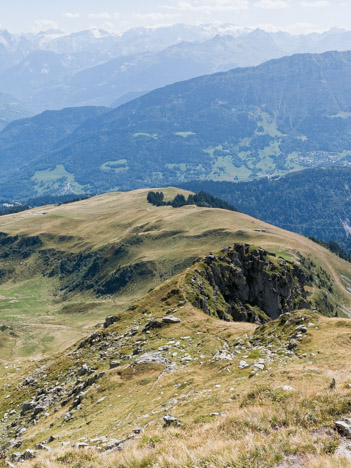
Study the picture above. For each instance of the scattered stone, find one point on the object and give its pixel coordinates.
(243, 365)
(148, 358)
(152, 324)
(287, 388)
(26, 455)
(171, 319)
(259, 366)
(138, 430)
(301, 329)
(114, 364)
(343, 428)
(170, 420)
(49, 440)
(39, 409)
(81, 445)
(110, 320)
(15, 456)
(83, 370)
(26, 407)
(223, 355)
(42, 447)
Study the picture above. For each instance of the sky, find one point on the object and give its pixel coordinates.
(295, 16)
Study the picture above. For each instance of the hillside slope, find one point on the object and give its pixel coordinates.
(313, 202)
(25, 140)
(169, 367)
(11, 109)
(64, 268)
(283, 115)
(162, 378)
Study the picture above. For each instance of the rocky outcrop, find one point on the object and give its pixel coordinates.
(244, 283)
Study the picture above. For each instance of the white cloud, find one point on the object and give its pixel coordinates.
(211, 6)
(273, 4)
(71, 15)
(44, 25)
(315, 3)
(103, 15)
(156, 16)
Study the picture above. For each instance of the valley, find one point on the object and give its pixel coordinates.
(233, 126)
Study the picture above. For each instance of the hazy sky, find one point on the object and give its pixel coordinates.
(119, 15)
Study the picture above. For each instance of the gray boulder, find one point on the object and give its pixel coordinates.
(110, 320)
(114, 364)
(83, 370)
(26, 407)
(343, 428)
(152, 324)
(170, 420)
(148, 358)
(171, 319)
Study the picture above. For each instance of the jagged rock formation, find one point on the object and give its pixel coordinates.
(247, 284)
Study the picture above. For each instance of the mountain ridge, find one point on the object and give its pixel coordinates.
(226, 126)
(162, 370)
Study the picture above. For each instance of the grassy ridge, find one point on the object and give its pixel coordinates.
(161, 239)
(230, 414)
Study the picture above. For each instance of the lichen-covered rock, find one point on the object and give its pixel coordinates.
(243, 283)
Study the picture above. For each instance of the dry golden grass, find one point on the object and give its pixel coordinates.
(262, 426)
(170, 238)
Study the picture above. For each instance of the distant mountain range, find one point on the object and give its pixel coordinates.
(11, 109)
(284, 115)
(52, 70)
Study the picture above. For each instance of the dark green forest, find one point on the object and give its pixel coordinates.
(313, 202)
(201, 199)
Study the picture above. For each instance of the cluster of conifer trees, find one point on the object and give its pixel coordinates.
(202, 199)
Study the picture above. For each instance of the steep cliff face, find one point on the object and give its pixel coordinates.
(243, 283)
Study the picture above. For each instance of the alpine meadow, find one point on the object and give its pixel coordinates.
(175, 234)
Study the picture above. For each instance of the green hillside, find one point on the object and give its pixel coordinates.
(176, 376)
(284, 115)
(64, 268)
